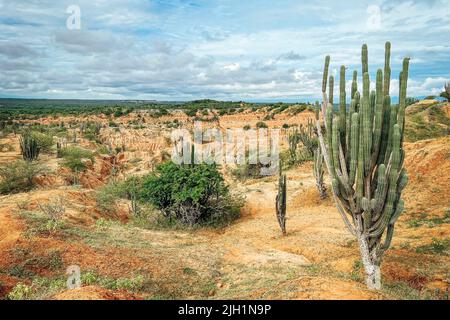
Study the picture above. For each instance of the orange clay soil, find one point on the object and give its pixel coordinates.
(250, 259)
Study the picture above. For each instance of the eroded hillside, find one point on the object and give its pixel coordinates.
(123, 257)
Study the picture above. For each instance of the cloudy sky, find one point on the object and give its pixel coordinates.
(254, 50)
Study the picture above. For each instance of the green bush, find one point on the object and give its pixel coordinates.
(18, 176)
(20, 292)
(191, 194)
(261, 125)
(74, 158)
(107, 195)
(44, 141)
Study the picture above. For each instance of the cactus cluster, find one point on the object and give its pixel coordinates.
(446, 93)
(29, 147)
(308, 137)
(280, 202)
(362, 149)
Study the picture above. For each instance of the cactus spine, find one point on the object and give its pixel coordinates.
(280, 202)
(29, 147)
(364, 157)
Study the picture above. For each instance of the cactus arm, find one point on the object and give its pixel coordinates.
(367, 126)
(335, 148)
(402, 101)
(380, 191)
(325, 74)
(330, 90)
(378, 121)
(384, 129)
(354, 84)
(392, 121)
(387, 69)
(353, 146)
(342, 106)
(364, 59)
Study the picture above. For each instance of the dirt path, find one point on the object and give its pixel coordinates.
(280, 267)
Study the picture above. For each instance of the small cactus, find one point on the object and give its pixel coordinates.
(58, 150)
(29, 147)
(280, 202)
(308, 138)
(293, 139)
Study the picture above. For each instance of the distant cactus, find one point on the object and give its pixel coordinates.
(280, 200)
(308, 138)
(135, 209)
(29, 147)
(318, 173)
(58, 150)
(293, 139)
(446, 93)
(363, 152)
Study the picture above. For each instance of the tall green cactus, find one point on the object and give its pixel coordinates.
(363, 152)
(29, 147)
(280, 202)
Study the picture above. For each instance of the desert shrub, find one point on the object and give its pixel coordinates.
(44, 141)
(54, 211)
(191, 194)
(261, 124)
(18, 176)
(247, 171)
(6, 147)
(20, 292)
(107, 196)
(437, 246)
(75, 158)
(247, 127)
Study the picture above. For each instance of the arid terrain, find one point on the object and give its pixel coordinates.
(123, 257)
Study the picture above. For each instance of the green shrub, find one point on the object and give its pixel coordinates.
(74, 158)
(191, 194)
(261, 124)
(20, 292)
(247, 171)
(44, 141)
(18, 176)
(107, 196)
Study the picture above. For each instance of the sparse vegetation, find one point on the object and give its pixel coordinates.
(76, 158)
(18, 176)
